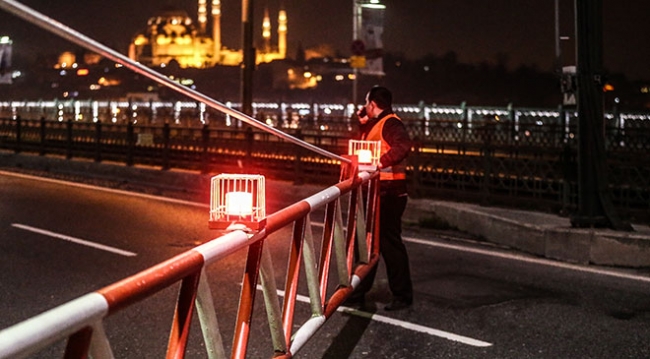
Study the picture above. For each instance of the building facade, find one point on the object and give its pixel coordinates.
(172, 35)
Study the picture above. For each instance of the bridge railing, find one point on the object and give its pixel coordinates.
(349, 248)
(527, 164)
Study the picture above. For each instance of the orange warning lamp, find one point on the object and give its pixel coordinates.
(237, 201)
(367, 152)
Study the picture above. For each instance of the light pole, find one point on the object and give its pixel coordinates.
(595, 208)
(558, 51)
(356, 21)
(248, 60)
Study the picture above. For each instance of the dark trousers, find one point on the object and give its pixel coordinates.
(392, 249)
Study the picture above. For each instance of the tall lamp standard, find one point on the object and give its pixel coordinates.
(356, 21)
(367, 47)
(248, 60)
(595, 207)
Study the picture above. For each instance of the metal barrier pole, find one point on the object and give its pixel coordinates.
(311, 271)
(326, 248)
(208, 319)
(78, 344)
(340, 249)
(247, 299)
(99, 346)
(273, 311)
(291, 285)
(360, 234)
(180, 331)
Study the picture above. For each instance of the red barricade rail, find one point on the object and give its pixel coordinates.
(80, 321)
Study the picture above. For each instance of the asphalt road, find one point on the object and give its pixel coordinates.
(59, 241)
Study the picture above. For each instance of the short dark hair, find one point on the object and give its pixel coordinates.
(382, 97)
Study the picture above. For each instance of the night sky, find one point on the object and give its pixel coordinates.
(521, 31)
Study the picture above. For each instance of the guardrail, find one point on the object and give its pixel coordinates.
(521, 165)
(354, 243)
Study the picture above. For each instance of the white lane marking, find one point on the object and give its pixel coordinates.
(547, 262)
(104, 189)
(75, 240)
(416, 327)
(400, 323)
(526, 259)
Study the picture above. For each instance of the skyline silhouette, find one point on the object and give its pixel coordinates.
(519, 33)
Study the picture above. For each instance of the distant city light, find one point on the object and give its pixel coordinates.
(374, 4)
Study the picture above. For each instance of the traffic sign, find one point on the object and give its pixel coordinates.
(358, 62)
(358, 47)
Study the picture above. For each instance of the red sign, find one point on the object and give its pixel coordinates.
(358, 47)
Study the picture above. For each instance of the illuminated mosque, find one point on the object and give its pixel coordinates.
(172, 35)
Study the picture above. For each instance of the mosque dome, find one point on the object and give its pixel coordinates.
(171, 22)
(172, 35)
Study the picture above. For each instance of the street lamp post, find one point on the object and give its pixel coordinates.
(595, 208)
(248, 58)
(356, 20)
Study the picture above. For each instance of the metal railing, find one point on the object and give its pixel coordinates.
(517, 164)
(354, 243)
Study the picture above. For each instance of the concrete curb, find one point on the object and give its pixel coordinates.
(541, 234)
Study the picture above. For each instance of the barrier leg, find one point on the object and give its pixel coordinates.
(99, 346)
(246, 299)
(208, 318)
(273, 311)
(183, 316)
(78, 344)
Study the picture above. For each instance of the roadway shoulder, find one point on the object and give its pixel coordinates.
(542, 234)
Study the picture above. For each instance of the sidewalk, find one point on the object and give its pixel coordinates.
(541, 234)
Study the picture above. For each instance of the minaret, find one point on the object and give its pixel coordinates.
(216, 29)
(266, 31)
(203, 15)
(282, 34)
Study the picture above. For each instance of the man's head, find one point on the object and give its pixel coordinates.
(378, 99)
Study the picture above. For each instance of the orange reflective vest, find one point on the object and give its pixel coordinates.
(396, 171)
